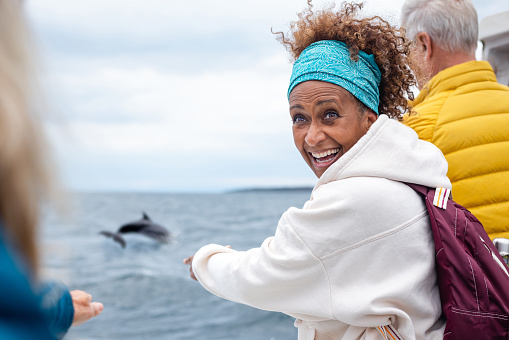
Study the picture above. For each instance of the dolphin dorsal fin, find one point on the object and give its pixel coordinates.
(145, 216)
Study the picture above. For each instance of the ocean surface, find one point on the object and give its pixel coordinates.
(145, 288)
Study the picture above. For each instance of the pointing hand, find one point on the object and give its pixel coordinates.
(84, 308)
(189, 261)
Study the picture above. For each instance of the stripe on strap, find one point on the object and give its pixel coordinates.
(441, 197)
(389, 333)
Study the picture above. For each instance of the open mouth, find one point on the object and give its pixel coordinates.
(324, 158)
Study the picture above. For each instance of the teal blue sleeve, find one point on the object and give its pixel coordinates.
(57, 305)
(21, 315)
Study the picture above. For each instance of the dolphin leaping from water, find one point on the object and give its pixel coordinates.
(145, 226)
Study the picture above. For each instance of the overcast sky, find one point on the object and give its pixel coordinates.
(175, 96)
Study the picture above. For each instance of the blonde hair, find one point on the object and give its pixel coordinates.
(24, 171)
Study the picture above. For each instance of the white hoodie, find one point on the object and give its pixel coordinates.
(358, 255)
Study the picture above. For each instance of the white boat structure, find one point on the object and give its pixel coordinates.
(494, 34)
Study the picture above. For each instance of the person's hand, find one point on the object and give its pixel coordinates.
(189, 261)
(84, 308)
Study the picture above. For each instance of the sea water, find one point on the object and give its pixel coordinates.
(145, 288)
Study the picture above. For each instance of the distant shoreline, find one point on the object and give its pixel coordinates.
(306, 189)
(271, 190)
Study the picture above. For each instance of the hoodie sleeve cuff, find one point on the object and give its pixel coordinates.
(58, 307)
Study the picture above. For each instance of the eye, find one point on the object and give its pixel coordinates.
(298, 119)
(330, 115)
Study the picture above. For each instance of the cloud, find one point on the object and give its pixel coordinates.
(171, 106)
(166, 94)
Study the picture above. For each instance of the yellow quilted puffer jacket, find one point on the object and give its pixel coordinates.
(465, 113)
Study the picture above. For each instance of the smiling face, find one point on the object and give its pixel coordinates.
(327, 122)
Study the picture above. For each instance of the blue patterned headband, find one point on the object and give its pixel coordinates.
(329, 60)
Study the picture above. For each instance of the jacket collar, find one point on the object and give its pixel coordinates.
(456, 76)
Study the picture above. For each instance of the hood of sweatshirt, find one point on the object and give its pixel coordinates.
(393, 151)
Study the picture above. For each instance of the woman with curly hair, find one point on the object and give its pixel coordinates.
(357, 261)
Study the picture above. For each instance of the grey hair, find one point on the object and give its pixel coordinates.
(452, 24)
